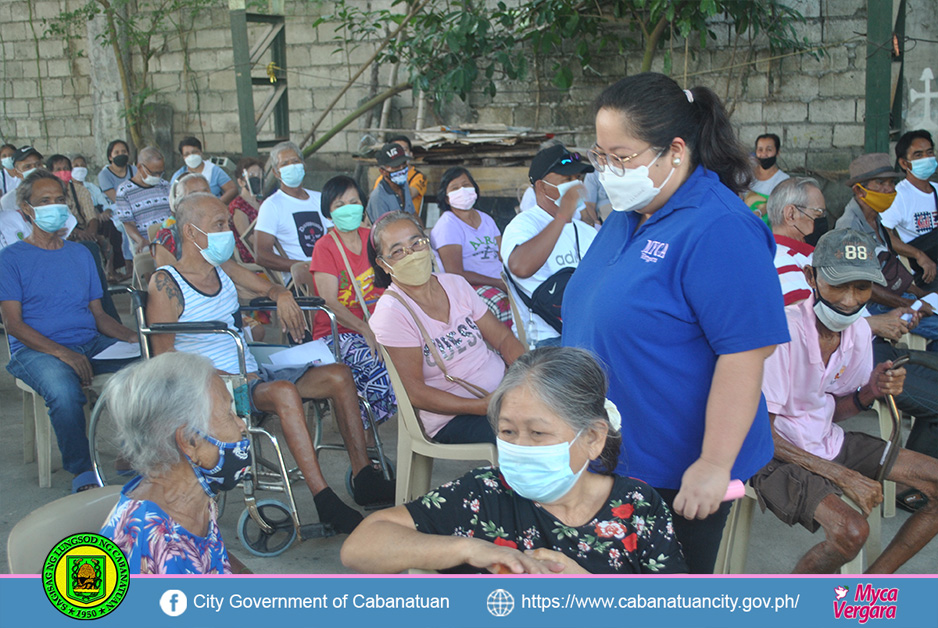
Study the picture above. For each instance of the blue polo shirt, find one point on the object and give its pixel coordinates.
(659, 304)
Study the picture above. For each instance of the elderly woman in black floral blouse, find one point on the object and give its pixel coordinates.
(552, 506)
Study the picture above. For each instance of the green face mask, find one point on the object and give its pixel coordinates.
(348, 217)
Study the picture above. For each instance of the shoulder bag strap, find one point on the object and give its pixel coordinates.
(352, 278)
(472, 388)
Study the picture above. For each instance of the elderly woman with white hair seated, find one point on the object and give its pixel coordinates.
(554, 504)
(178, 429)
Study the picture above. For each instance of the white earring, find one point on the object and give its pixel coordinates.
(676, 161)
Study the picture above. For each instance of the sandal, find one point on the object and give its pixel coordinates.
(84, 481)
(911, 500)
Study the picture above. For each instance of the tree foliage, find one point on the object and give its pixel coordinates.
(454, 47)
(136, 31)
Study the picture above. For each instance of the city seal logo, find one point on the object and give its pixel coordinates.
(85, 576)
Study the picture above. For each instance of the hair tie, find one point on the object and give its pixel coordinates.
(615, 419)
(689, 94)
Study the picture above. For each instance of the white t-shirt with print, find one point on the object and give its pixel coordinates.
(525, 226)
(912, 213)
(296, 224)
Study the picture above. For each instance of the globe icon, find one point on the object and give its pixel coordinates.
(500, 603)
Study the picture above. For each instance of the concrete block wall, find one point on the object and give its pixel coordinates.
(815, 105)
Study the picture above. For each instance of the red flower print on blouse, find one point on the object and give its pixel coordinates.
(630, 543)
(505, 542)
(624, 511)
(610, 529)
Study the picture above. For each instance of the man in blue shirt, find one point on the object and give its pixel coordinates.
(218, 180)
(50, 299)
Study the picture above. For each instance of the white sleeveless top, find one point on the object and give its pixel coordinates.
(199, 307)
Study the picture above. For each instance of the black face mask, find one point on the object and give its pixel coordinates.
(767, 162)
(255, 185)
(120, 160)
(820, 228)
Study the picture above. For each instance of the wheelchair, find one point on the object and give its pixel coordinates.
(267, 527)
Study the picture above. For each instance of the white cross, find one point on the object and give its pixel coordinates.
(927, 96)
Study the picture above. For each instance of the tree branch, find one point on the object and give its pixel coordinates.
(384, 44)
(363, 109)
(651, 42)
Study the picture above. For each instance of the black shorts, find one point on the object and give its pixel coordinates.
(793, 493)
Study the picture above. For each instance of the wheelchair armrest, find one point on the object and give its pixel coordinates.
(188, 328)
(263, 303)
(922, 358)
(120, 290)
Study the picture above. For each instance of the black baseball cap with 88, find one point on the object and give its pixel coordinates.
(557, 159)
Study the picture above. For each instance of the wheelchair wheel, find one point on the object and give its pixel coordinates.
(110, 465)
(348, 475)
(259, 542)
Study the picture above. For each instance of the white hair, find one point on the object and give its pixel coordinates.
(152, 399)
(281, 148)
(793, 191)
(177, 191)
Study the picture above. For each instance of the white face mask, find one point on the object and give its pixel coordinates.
(151, 179)
(79, 174)
(193, 160)
(634, 190)
(832, 319)
(562, 189)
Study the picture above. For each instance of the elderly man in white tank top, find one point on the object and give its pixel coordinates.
(201, 286)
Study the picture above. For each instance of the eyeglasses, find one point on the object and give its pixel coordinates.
(420, 244)
(615, 164)
(812, 212)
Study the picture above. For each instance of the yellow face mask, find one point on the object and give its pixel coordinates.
(879, 201)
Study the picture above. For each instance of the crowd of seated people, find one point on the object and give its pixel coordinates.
(665, 185)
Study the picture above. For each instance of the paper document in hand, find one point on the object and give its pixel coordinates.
(120, 350)
(315, 352)
(932, 299)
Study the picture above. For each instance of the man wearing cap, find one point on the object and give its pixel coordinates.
(13, 227)
(546, 239)
(873, 181)
(392, 194)
(823, 376)
(416, 180)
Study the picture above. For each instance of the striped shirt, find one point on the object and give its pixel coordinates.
(200, 307)
(142, 206)
(791, 256)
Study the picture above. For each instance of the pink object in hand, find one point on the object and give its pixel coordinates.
(735, 490)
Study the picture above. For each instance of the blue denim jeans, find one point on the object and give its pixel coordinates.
(927, 326)
(58, 384)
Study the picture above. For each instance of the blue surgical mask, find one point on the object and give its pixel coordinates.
(234, 462)
(50, 218)
(399, 177)
(29, 172)
(541, 474)
(7, 163)
(292, 175)
(347, 217)
(220, 247)
(923, 168)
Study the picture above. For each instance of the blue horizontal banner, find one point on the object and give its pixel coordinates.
(501, 601)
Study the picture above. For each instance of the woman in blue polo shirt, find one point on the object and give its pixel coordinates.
(679, 297)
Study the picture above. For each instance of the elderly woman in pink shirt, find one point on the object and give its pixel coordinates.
(437, 332)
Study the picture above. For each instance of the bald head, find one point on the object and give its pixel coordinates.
(196, 209)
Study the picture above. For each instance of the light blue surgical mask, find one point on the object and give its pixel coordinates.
(924, 167)
(220, 247)
(29, 172)
(538, 473)
(292, 175)
(399, 177)
(51, 218)
(7, 163)
(562, 189)
(348, 217)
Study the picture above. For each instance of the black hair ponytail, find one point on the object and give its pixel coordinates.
(658, 110)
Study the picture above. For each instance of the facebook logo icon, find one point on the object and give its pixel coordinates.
(173, 602)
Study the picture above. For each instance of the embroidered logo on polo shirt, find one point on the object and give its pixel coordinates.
(654, 251)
